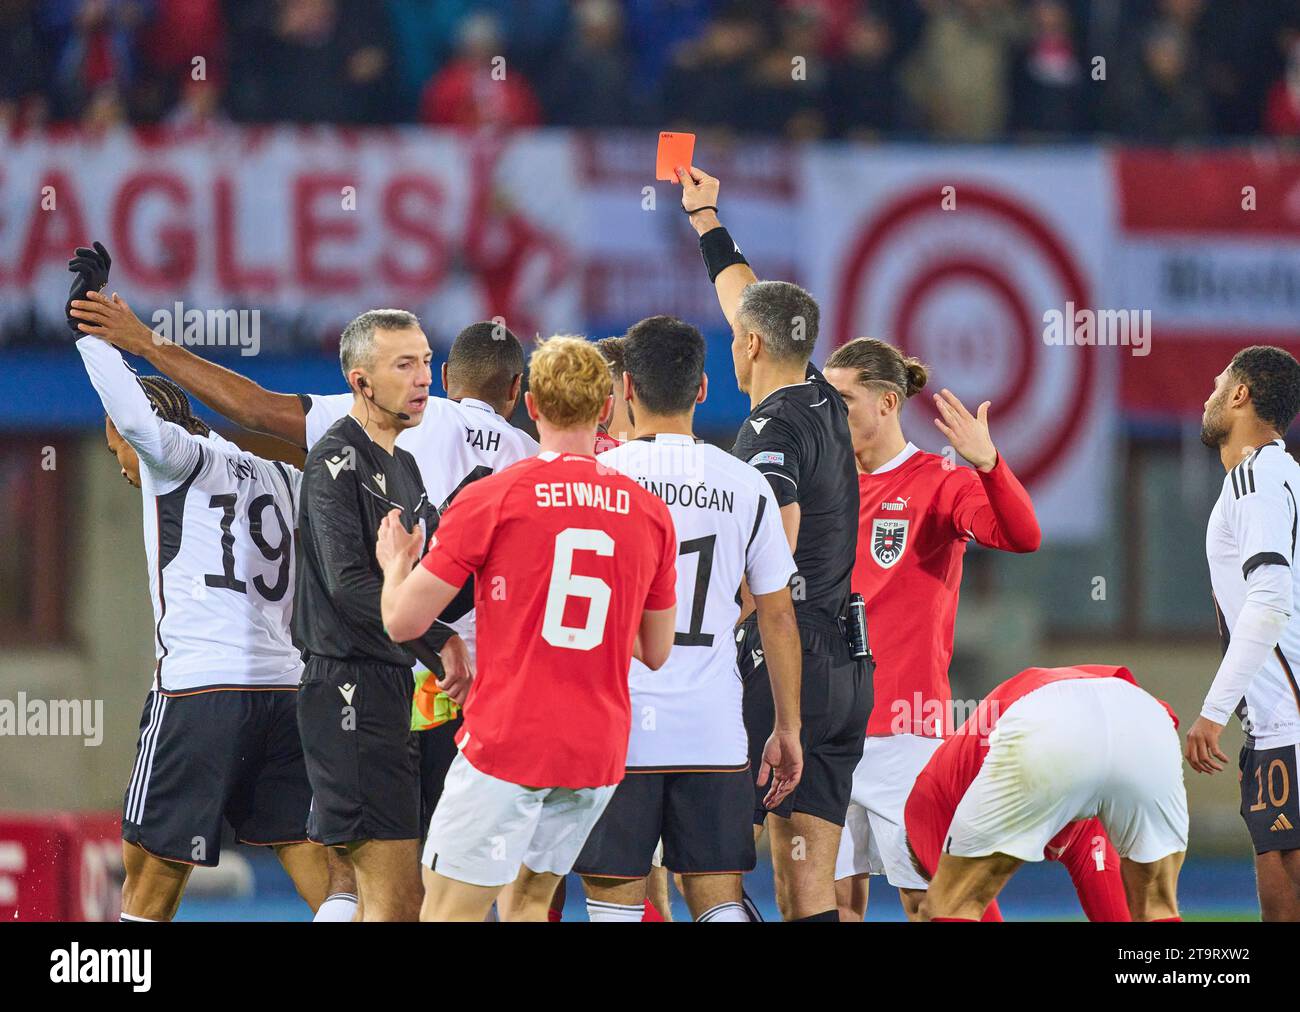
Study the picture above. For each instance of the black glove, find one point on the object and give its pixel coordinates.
(91, 267)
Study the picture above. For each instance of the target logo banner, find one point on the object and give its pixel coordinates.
(959, 258)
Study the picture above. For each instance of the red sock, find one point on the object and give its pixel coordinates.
(951, 920)
(554, 916)
(651, 913)
(1168, 920)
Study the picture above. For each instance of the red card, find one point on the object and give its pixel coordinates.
(674, 150)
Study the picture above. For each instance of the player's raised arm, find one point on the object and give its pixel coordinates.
(236, 397)
(996, 511)
(164, 450)
(728, 269)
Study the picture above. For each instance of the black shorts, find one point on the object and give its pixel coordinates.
(835, 702)
(362, 756)
(703, 819)
(437, 750)
(1269, 800)
(201, 758)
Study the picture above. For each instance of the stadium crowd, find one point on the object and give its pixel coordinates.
(1181, 69)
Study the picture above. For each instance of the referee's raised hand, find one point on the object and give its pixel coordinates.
(699, 190)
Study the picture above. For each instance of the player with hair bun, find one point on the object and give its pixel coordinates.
(916, 513)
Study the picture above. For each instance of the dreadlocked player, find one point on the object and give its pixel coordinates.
(219, 733)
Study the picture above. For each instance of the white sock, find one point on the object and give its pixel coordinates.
(751, 908)
(725, 912)
(337, 907)
(141, 920)
(598, 911)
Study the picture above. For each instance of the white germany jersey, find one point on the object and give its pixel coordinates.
(1253, 523)
(687, 715)
(218, 534)
(456, 442)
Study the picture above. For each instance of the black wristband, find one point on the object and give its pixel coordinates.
(697, 210)
(719, 251)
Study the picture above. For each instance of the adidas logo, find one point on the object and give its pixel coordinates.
(1280, 823)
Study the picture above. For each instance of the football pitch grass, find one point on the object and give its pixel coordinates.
(1209, 890)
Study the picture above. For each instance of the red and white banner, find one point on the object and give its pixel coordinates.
(1210, 243)
(315, 224)
(60, 866)
(956, 257)
(1064, 285)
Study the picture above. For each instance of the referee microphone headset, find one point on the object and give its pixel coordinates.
(363, 385)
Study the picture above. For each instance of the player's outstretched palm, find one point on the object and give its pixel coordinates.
(783, 762)
(968, 434)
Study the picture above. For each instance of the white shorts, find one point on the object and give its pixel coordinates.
(874, 841)
(1071, 750)
(484, 829)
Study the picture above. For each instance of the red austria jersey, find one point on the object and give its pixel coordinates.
(957, 761)
(915, 516)
(566, 555)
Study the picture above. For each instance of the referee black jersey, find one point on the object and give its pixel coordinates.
(349, 485)
(798, 437)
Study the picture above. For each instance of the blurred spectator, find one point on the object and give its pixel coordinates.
(1163, 99)
(198, 111)
(833, 20)
(22, 99)
(863, 95)
(589, 84)
(1282, 113)
(310, 61)
(964, 70)
(708, 82)
(790, 79)
(656, 31)
(478, 87)
(92, 47)
(533, 31)
(960, 73)
(1049, 75)
(182, 31)
(424, 35)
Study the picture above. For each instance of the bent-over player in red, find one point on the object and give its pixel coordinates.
(1072, 745)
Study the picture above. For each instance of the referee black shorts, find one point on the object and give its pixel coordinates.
(835, 702)
(362, 757)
